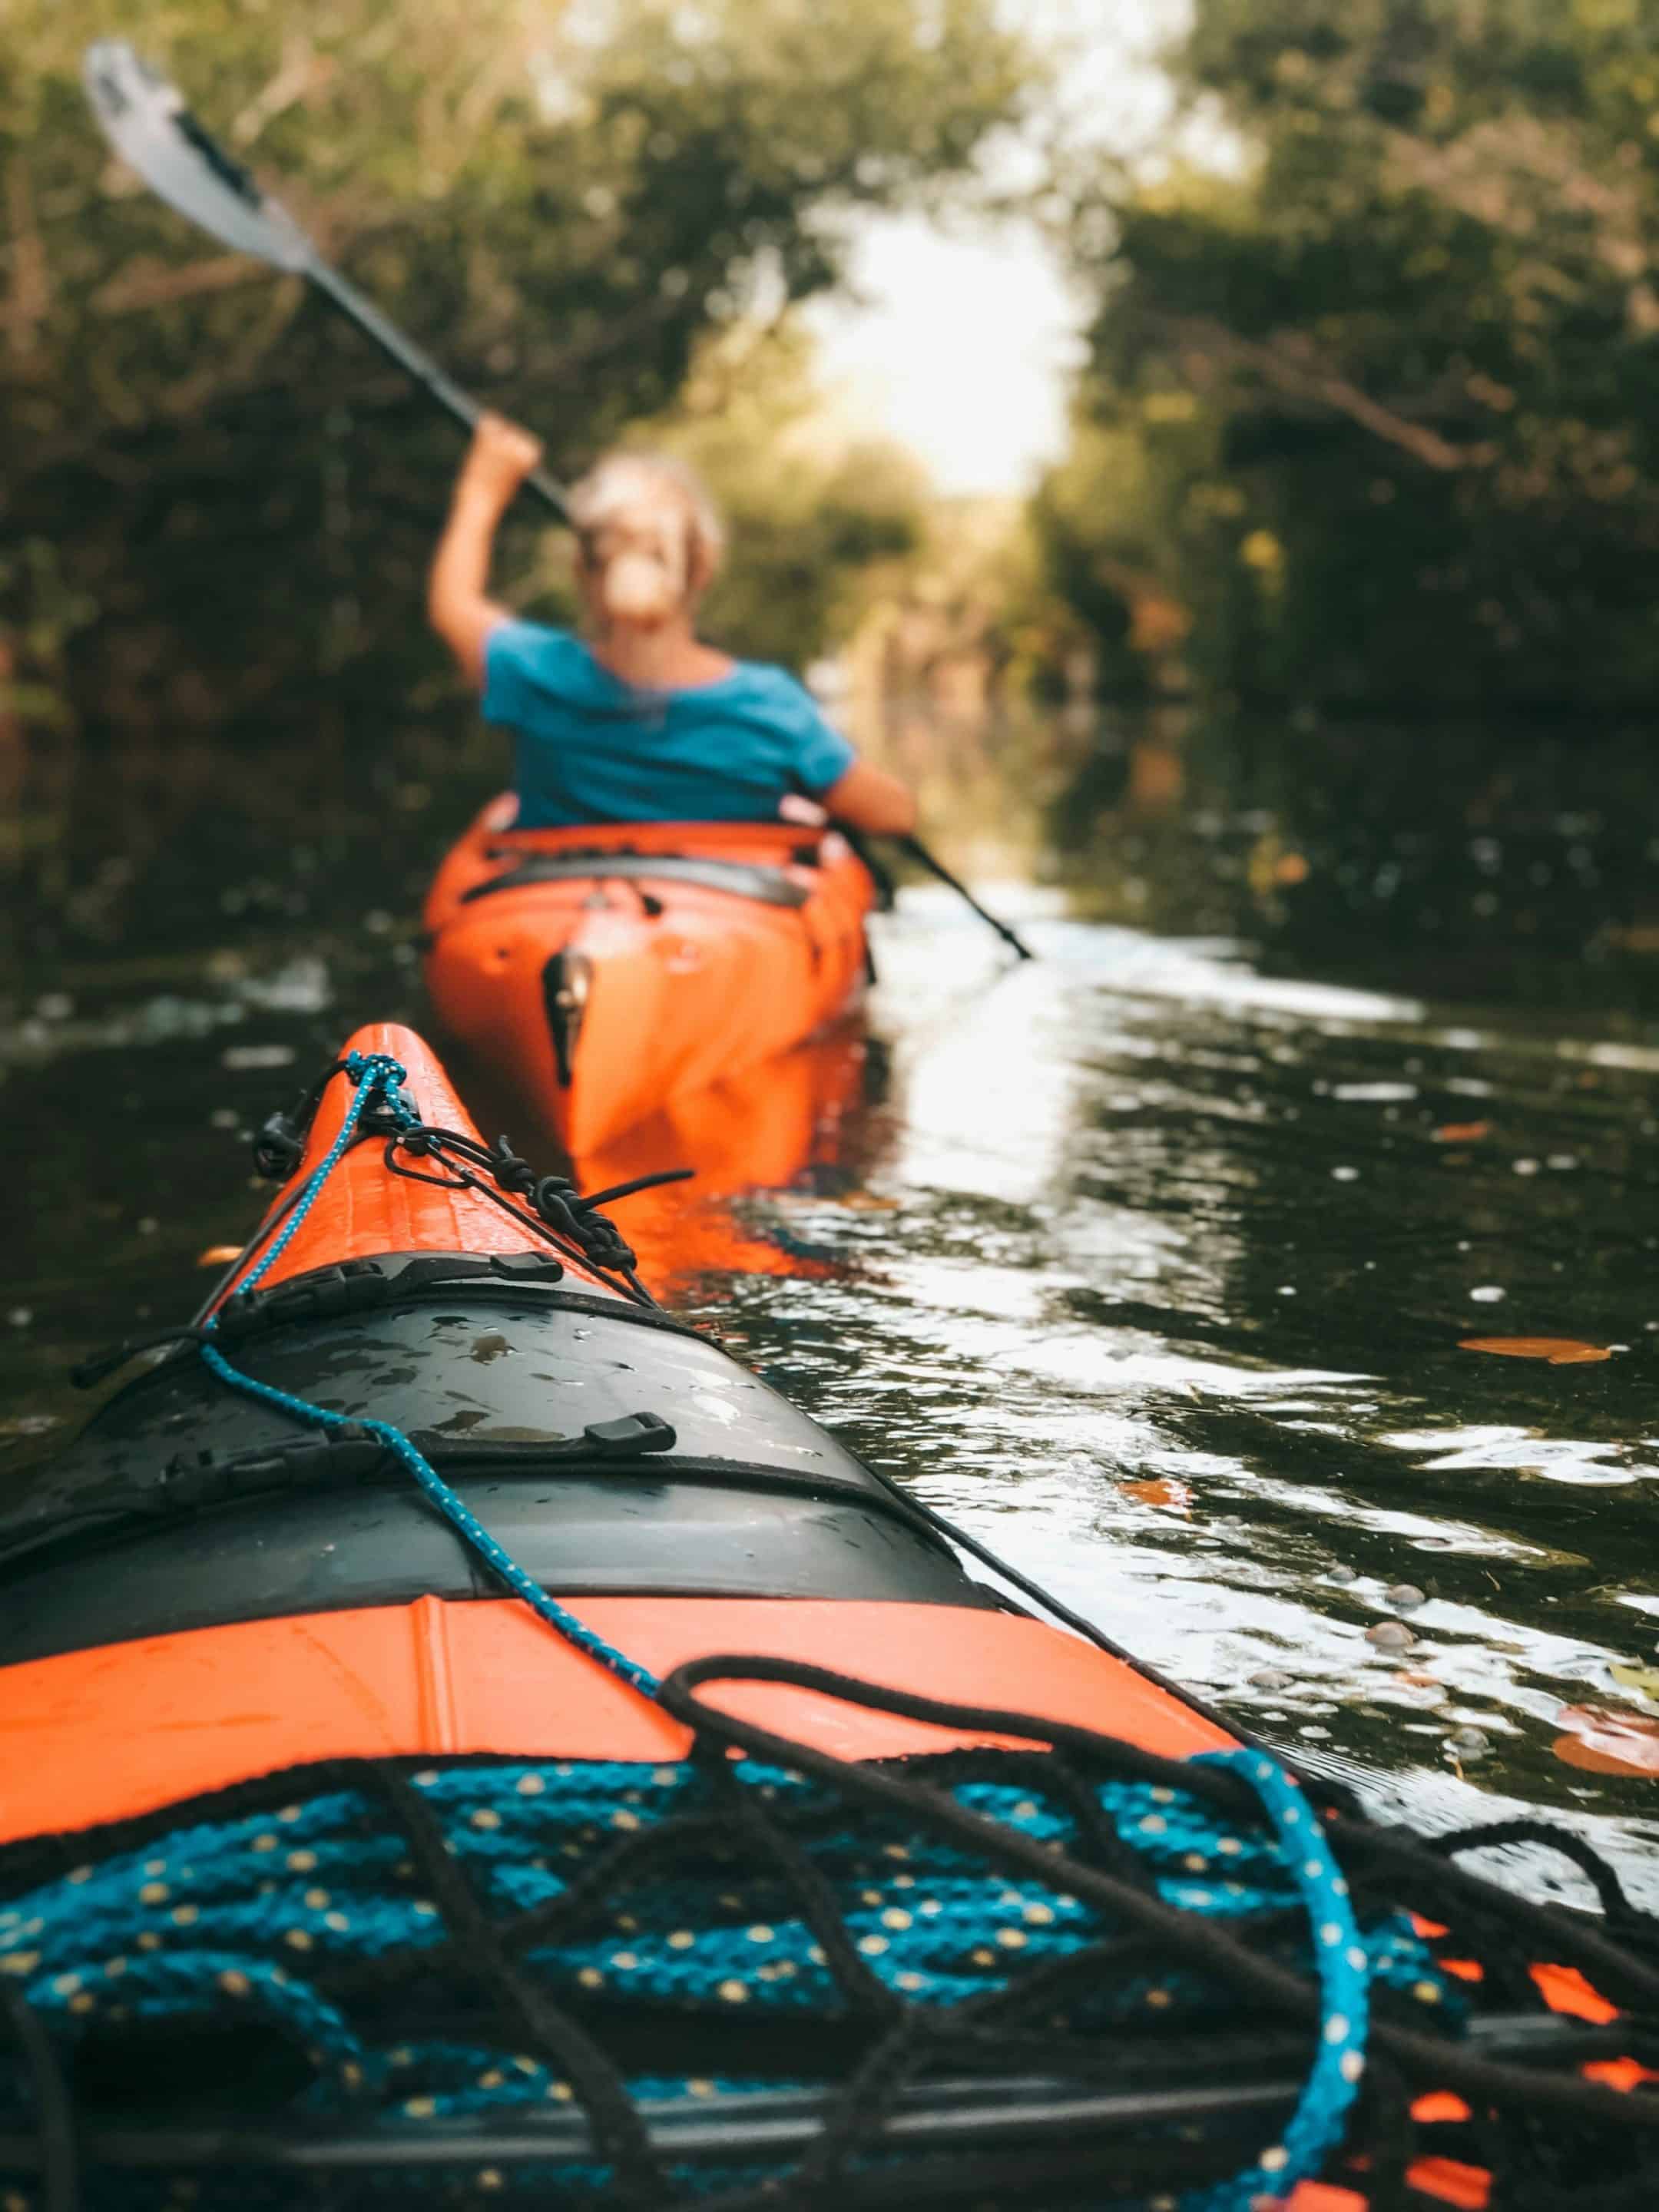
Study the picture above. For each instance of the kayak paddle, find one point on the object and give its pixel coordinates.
(918, 851)
(145, 119)
(859, 841)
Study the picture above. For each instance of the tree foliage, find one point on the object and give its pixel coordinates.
(219, 500)
(1372, 385)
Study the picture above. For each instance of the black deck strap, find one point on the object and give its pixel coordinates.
(1621, 1978)
(619, 2131)
(348, 1286)
(749, 880)
(639, 1444)
(351, 1454)
(393, 1278)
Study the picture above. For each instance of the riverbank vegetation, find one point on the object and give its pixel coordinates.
(1372, 396)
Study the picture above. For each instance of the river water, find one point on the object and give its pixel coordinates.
(1154, 1264)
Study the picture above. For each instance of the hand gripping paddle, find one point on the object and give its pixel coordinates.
(145, 119)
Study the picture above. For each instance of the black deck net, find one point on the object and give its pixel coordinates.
(758, 1977)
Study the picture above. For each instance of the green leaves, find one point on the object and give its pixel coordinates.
(563, 219)
(1415, 303)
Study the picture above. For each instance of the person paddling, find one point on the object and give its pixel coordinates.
(639, 721)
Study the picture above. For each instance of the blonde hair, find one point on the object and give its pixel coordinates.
(671, 537)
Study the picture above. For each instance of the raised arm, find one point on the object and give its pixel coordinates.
(458, 602)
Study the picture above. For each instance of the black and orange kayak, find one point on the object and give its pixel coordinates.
(609, 971)
(462, 1735)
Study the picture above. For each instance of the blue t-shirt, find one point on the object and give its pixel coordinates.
(590, 748)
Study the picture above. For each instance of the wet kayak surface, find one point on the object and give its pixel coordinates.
(1300, 1335)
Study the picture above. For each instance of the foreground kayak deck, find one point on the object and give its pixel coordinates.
(191, 1542)
(782, 1853)
(606, 971)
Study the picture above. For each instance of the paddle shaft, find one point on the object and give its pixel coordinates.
(420, 366)
(918, 851)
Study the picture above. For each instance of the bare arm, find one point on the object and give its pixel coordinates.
(869, 799)
(458, 601)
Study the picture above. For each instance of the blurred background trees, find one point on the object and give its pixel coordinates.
(1359, 516)
(226, 501)
(1373, 386)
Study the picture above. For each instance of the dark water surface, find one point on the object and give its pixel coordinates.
(1152, 1268)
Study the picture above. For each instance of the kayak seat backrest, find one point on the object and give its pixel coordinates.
(741, 879)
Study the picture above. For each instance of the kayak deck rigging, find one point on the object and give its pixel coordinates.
(1001, 1911)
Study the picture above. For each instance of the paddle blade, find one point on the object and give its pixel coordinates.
(145, 119)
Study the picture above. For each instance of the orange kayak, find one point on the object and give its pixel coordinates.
(458, 1723)
(609, 971)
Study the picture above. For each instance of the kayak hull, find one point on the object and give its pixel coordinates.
(606, 972)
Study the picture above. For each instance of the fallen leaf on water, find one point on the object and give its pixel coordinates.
(1644, 1680)
(1462, 1132)
(1161, 1489)
(217, 1255)
(1291, 868)
(1603, 1741)
(866, 1201)
(1559, 1351)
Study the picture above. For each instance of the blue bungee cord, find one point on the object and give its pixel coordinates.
(1339, 1950)
(376, 1074)
(1342, 1963)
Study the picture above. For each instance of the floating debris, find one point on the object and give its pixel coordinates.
(1558, 1351)
(1603, 1741)
(1462, 1132)
(1489, 1294)
(1161, 1489)
(1644, 1680)
(1391, 1636)
(1403, 1596)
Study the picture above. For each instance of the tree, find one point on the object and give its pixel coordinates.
(238, 495)
(1411, 322)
